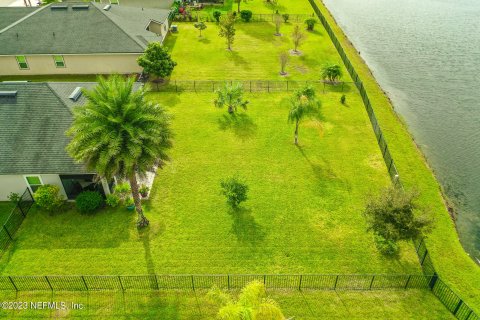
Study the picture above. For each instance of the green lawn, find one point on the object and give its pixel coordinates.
(255, 53)
(306, 305)
(451, 261)
(5, 210)
(304, 213)
(264, 7)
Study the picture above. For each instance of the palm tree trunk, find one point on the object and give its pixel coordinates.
(296, 133)
(142, 220)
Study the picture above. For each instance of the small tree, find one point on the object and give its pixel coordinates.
(216, 15)
(48, 197)
(278, 23)
(303, 104)
(298, 37)
(200, 26)
(285, 17)
(332, 72)
(284, 57)
(231, 95)
(156, 61)
(227, 29)
(14, 198)
(311, 22)
(394, 215)
(273, 5)
(235, 191)
(246, 15)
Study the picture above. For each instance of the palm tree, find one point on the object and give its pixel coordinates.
(231, 95)
(304, 103)
(119, 133)
(332, 72)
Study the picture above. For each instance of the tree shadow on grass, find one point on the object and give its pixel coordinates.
(238, 60)
(244, 226)
(145, 238)
(240, 124)
(204, 40)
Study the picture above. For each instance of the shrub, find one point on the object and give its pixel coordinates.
(246, 15)
(343, 98)
(88, 201)
(386, 247)
(113, 200)
(216, 15)
(144, 190)
(129, 202)
(48, 197)
(234, 190)
(122, 190)
(311, 22)
(285, 17)
(14, 198)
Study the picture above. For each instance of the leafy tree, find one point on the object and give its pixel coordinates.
(273, 5)
(395, 215)
(331, 72)
(298, 37)
(252, 304)
(156, 60)
(231, 95)
(284, 57)
(278, 23)
(227, 29)
(14, 198)
(303, 104)
(246, 15)
(235, 191)
(217, 14)
(311, 22)
(48, 197)
(118, 132)
(200, 26)
(285, 17)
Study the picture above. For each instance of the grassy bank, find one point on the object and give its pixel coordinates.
(187, 305)
(450, 260)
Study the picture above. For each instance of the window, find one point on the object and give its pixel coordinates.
(22, 62)
(59, 62)
(33, 182)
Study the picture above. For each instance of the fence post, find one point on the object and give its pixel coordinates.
(194, 86)
(250, 86)
(424, 256)
(433, 281)
(13, 283)
(228, 281)
(408, 281)
(457, 307)
(9, 235)
(300, 283)
(85, 283)
(287, 85)
(420, 244)
(264, 279)
(193, 283)
(371, 282)
(336, 281)
(49, 284)
(121, 284)
(268, 86)
(21, 210)
(156, 281)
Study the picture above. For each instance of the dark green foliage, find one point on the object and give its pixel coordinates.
(231, 95)
(246, 15)
(48, 197)
(89, 201)
(285, 17)
(343, 98)
(112, 200)
(394, 215)
(156, 61)
(234, 190)
(216, 15)
(14, 197)
(311, 22)
(331, 72)
(386, 247)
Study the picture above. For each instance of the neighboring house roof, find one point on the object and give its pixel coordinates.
(32, 134)
(79, 31)
(7, 17)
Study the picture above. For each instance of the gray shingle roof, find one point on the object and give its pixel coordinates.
(32, 134)
(71, 31)
(9, 15)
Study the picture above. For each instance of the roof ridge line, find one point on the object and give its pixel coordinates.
(58, 97)
(23, 19)
(128, 35)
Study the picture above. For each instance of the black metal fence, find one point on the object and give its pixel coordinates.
(208, 17)
(250, 85)
(194, 282)
(15, 219)
(446, 295)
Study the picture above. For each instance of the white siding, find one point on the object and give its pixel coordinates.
(18, 184)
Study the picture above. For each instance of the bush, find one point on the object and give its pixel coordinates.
(386, 247)
(88, 201)
(144, 190)
(285, 17)
(235, 191)
(14, 198)
(48, 197)
(216, 15)
(246, 15)
(112, 200)
(129, 202)
(311, 22)
(122, 189)
(343, 98)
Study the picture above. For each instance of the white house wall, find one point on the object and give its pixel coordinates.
(18, 184)
(74, 64)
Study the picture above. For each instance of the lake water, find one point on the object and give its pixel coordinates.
(426, 55)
